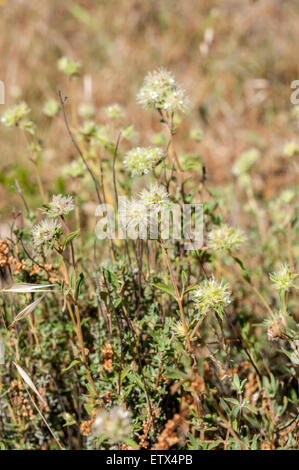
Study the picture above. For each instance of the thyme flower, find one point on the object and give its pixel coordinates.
(114, 424)
(225, 238)
(160, 91)
(46, 231)
(141, 160)
(283, 279)
(212, 295)
(60, 205)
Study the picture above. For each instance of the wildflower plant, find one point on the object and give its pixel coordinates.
(144, 320)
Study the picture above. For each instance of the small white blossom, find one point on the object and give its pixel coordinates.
(290, 149)
(211, 295)
(68, 66)
(225, 238)
(61, 205)
(141, 160)
(283, 279)
(155, 195)
(160, 91)
(134, 216)
(114, 424)
(45, 231)
(245, 162)
(114, 111)
(13, 116)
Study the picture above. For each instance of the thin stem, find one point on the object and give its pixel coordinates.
(178, 297)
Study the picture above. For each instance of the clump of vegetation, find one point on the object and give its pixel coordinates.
(140, 343)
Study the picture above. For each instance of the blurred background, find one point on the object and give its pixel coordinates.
(235, 59)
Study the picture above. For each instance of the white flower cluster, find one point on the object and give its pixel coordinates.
(290, 149)
(156, 195)
(137, 213)
(45, 231)
(141, 160)
(114, 424)
(114, 111)
(68, 66)
(283, 279)
(225, 238)
(211, 295)
(61, 205)
(160, 91)
(245, 162)
(134, 214)
(49, 229)
(13, 116)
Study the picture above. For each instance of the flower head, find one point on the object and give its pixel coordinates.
(134, 217)
(290, 149)
(46, 231)
(225, 238)
(51, 108)
(114, 111)
(160, 91)
(60, 205)
(68, 66)
(75, 169)
(13, 116)
(211, 295)
(141, 160)
(155, 195)
(114, 424)
(245, 162)
(179, 329)
(283, 279)
(86, 110)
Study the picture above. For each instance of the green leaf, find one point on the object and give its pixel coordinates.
(71, 236)
(190, 288)
(80, 282)
(168, 289)
(72, 364)
(117, 302)
(132, 443)
(234, 401)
